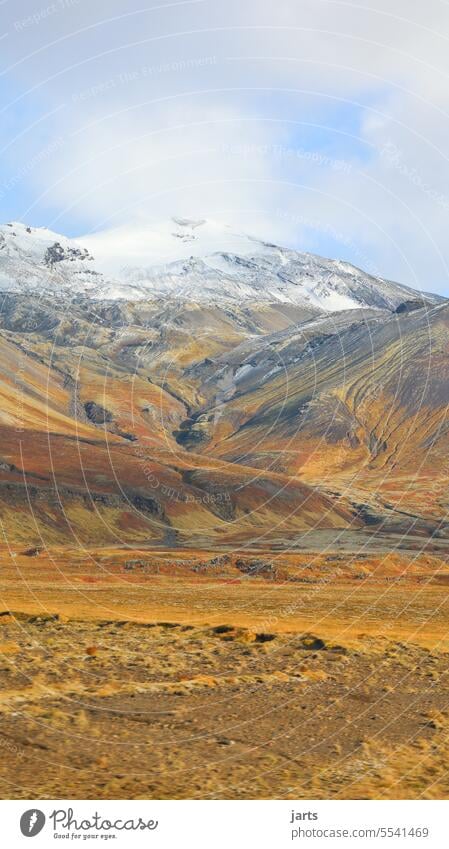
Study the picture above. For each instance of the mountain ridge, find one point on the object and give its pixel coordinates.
(205, 262)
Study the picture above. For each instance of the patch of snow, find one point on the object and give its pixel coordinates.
(242, 371)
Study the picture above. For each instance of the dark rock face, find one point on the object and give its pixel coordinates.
(147, 505)
(131, 437)
(53, 254)
(256, 567)
(96, 413)
(215, 564)
(56, 253)
(409, 306)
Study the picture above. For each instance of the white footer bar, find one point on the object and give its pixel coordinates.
(224, 824)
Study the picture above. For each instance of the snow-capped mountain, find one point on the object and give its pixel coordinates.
(38, 260)
(195, 260)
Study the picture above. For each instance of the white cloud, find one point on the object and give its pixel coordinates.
(203, 109)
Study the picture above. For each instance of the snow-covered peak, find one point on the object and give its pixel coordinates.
(192, 259)
(168, 241)
(35, 259)
(35, 243)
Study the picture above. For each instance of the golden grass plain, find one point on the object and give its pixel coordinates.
(138, 674)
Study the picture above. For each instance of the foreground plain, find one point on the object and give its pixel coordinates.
(142, 675)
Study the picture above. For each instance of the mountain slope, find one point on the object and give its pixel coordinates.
(88, 447)
(227, 417)
(359, 409)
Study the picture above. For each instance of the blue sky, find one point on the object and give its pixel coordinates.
(320, 124)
